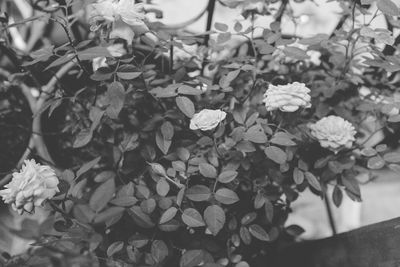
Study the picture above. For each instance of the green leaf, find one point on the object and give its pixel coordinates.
(140, 218)
(192, 258)
(215, 218)
(189, 90)
(162, 187)
(221, 26)
(124, 201)
(158, 169)
(258, 232)
(114, 248)
(276, 154)
(282, 139)
(159, 251)
(313, 181)
(128, 75)
(256, 134)
(192, 218)
(295, 52)
(207, 170)
(93, 52)
(245, 235)
(388, 7)
(169, 91)
(148, 205)
(168, 215)
(248, 218)
(223, 37)
(116, 98)
(227, 176)
(167, 130)
(110, 213)
(376, 163)
(226, 196)
(394, 167)
(102, 195)
(104, 176)
(198, 193)
(392, 157)
(298, 176)
(170, 226)
(337, 196)
(83, 138)
(185, 105)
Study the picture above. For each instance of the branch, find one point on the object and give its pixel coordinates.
(36, 140)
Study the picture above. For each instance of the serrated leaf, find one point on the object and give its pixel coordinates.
(140, 218)
(337, 196)
(215, 218)
(276, 154)
(159, 251)
(167, 130)
(376, 163)
(102, 195)
(192, 218)
(128, 75)
(168, 215)
(226, 196)
(207, 170)
(114, 248)
(221, 26)
(258, 232)
(192, 258)
(388, 7)
(198, 193)
(185, 105)
(124, 201)
(298, 176)
(162, 187)
(189, 90)
(392, 157)
(83, 138)
(313, 181)
(227, 176)
(248, 218)
(116, 98)
(110, 213)
(256, 134)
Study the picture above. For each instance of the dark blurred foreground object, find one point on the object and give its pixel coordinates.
(376, 245)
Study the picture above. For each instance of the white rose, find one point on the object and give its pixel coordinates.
(207, 119)
(30, 187)
(333, 132)
(287, 98)
(126, 17)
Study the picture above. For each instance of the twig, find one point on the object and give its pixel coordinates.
(36, 140)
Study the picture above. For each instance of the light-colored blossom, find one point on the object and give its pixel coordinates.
(287, 98)
(126, 17)
(30, 187)
(333, 132)
(207, 119)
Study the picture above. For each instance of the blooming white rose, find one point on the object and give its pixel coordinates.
(126, 16)
(333, 132)
(207, 119)
(30, 187)
(287, 98)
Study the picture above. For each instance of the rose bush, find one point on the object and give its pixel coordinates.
(144, 180)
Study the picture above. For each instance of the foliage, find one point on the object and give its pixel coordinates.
(142, 188)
